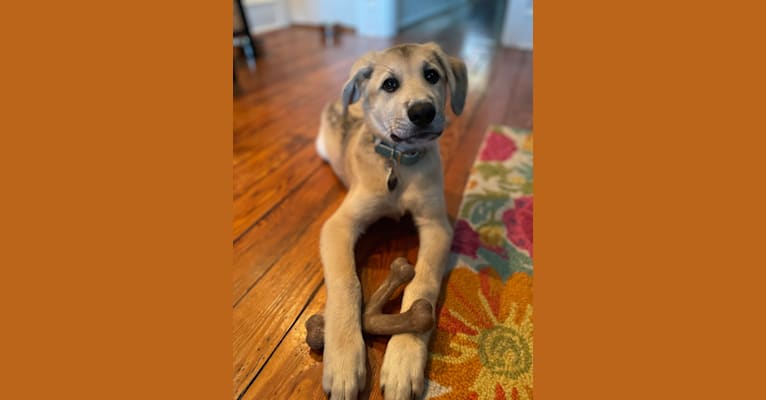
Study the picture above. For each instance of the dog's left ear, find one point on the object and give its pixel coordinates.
(457, 77)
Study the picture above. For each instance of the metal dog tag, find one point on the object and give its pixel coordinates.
(391, 178)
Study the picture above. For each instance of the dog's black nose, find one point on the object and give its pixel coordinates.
(421, 114)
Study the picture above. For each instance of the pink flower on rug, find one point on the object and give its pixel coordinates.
(498, 147)
(518, 223)
(466, 240)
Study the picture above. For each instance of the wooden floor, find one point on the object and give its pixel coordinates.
(283, 192)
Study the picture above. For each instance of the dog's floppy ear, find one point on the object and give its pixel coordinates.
(457, 77)
(360, 73)
(459, 90)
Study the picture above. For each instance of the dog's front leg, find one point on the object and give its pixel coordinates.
(404, 363)
(344, 351)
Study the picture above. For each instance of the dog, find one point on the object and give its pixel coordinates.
(381, 140)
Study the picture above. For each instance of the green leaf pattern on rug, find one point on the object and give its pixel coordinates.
(480, 207)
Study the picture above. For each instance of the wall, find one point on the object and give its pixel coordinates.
(265, 15)
(381, 18)
(377, 18)
(517, 28)
(317, 12)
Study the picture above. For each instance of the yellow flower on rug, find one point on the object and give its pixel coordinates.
(483, 345)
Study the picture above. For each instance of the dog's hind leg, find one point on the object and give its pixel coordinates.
(334, 131)
(320, 142)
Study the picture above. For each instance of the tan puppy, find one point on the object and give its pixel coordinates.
(380, 139)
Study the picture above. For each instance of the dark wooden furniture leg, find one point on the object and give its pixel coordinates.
(249, 45)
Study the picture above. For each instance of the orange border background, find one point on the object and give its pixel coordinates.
(649, 206)
(117, 193)
(116, 174)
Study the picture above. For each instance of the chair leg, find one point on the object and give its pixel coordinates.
(249, 47)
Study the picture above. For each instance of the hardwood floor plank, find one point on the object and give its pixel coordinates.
(262, 317)
(281, 100)
(301, 56)
(253, 164)
(257, 199)
(519, 112)
(287, 225)
(304, 366)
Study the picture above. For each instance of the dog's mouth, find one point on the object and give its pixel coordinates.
(422, 136)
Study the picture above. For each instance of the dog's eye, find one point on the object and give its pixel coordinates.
(390, 85)
(431, 76)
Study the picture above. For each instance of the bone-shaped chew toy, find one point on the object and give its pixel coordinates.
(418, 319)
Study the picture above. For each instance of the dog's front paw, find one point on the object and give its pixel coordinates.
(344, 369)
(401, 376)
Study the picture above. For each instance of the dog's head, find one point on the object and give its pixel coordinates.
(403, 91)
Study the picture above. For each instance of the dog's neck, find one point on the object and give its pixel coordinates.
(395, 157)
(402, 146)
(400, 153)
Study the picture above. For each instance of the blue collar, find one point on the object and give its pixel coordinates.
(401, 157)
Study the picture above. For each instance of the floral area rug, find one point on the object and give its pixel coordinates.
(483, 345)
